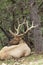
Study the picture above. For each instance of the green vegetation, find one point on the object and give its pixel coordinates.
(6, 20)
(33, 59)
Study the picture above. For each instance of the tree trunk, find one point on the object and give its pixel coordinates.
(37, 35)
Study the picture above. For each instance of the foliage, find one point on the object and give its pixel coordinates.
(6, 13)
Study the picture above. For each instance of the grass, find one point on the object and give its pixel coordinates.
(30, 60)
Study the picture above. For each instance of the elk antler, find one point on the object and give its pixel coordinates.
(17, 29)
(19, 26)
(28, 28)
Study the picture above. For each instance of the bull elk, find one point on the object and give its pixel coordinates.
(17, 51)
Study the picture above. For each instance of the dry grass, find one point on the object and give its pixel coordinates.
(30, 60)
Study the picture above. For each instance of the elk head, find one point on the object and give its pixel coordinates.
(17, 36)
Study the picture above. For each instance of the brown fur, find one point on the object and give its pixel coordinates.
(15, 40)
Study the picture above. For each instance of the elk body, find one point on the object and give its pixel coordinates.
(15, 51)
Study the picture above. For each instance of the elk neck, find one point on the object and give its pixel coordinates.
(22, 41)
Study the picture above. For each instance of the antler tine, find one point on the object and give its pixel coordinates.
(20, 25)
(24, 19)
(14, 34)
(27, 24)
(34, 26)
(15, 28)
